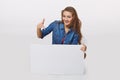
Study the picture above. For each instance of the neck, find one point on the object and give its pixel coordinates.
(66, 29)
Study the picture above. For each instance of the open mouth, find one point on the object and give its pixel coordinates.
(66, 22)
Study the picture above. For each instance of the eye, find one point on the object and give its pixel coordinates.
(69, 16)
(63, 15)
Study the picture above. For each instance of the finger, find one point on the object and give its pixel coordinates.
(82, 49)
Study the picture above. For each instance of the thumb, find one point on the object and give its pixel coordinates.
(43, 20)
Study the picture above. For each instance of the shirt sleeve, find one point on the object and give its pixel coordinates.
(47, 30)
(76, 40)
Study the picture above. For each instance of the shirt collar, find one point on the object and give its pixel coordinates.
(62, 27)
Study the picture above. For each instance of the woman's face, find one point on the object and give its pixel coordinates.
(67, 18)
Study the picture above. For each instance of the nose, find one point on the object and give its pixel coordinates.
(66, 18)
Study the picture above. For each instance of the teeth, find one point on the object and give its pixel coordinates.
(66, 22)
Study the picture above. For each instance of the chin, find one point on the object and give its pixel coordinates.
(67, 24)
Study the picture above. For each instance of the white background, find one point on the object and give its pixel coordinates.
(100, 24)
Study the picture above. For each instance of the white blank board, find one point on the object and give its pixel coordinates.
(56, 59)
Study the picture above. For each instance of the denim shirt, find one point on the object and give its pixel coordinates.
(58, 34)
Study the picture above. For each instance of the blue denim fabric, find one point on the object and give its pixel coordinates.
(58, 33)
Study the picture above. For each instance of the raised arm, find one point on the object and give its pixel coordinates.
(39, 26)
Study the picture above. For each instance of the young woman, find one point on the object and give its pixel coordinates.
(65, 31)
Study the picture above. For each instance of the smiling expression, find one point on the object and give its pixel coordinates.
(67, 18)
